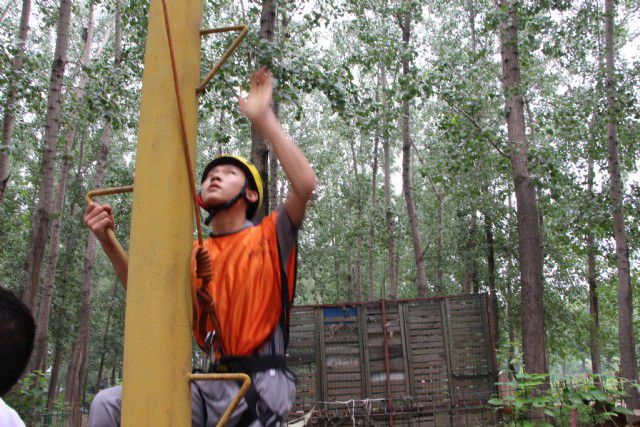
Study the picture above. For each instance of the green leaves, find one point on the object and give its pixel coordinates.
(558, 400)
(495, 401)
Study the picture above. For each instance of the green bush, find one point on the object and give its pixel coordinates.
(29, 396)
(533, 397)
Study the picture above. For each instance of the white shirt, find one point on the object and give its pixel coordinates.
(9, 417)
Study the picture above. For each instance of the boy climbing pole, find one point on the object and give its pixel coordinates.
(252, 278)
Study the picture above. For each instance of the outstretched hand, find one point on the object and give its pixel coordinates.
(257, 105)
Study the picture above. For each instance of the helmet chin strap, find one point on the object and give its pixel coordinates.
(227, 205)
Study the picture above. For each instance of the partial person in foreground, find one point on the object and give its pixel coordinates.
(253, 277)
(17, 332)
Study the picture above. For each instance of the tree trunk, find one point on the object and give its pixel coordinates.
(594, 325)
(529, 239)
(421, 274)
(83, 377)
(55, 371)
(357, 268)
(259, 148)
(466, 258)
(350, 285)
(112, 381)
(471, 283)
(81, 345)
(628, 367)
(473, 228)
(77, 366)
(273, 181)
(105, 334)
(491, 278)
(40, 351)
(372, 228)
(273, 169)
(221, 130)
(11, 97)
(440, 244)
(72, 372)
(336, 256)
(42, 216)
(393, 278)
(471, 10)
(507, 311)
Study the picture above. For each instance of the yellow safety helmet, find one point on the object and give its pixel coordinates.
(254, 181)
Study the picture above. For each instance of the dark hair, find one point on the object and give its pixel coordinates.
(17, 330)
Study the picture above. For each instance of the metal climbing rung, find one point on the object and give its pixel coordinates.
(236, 42)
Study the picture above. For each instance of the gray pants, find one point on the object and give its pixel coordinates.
(209, 400)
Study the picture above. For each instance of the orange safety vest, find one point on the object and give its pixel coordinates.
(245, 286)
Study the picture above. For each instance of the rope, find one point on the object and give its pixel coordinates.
(183, 127)
(203, 261)
(303, 419)
(352, 404)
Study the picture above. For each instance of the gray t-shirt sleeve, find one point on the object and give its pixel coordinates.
(287, 236)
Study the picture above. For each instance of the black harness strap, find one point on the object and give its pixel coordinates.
(251, 364)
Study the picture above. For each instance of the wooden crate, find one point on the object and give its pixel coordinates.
(426, 361)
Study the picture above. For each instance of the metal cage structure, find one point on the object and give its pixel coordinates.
(419, 362)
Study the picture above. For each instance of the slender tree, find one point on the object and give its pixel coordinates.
(374, 200)
(386, 146)
(78, 362)
(40, 350)
(11, 97)
(405, 25)
(357, 219)
(529, 238)
(55, 372)
(594, 325)
(259, 147)
(273, 165)
(439, 241)
(628, 366)
(491, 276)
(105, 334)
(42, 215)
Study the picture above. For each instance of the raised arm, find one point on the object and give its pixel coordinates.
(257, 107)
(98, 218)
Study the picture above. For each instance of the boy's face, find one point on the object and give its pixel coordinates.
(223, 182)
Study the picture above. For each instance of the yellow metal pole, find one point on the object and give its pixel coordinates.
(157, 355)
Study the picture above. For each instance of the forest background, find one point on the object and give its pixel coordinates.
(461, 146)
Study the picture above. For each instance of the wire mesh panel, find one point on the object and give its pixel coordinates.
(471, 355)
(302, 357)
(342, 356)
(428, 354)
(379, 357)
(427, 362)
